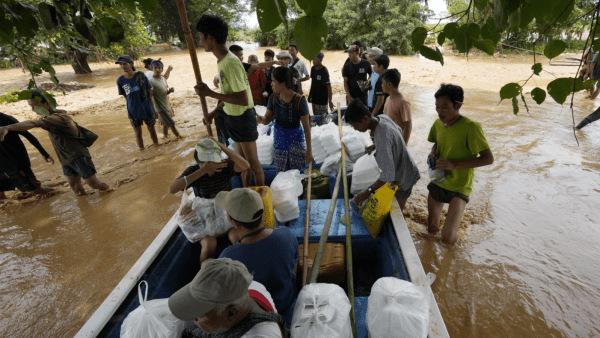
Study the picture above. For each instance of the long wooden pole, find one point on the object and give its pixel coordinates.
(347, 220)
(314, 272)
(306, 226)
(190, 43)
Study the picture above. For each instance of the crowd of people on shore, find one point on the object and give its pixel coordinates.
(260, 305)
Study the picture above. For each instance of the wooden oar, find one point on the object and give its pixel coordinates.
(346, 220)
(306, 226)
(314, 273)
(190, 43)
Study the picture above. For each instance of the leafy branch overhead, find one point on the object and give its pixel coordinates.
(310, 30)
(481, 24)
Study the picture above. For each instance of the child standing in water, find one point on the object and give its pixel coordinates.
(457, 142)
(161, 101)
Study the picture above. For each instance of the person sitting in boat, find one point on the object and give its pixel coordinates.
(224, 299)
(392, 156)
(271, 254)
(289, 110)
(210, 174)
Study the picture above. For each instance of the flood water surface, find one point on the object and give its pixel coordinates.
(525, 263)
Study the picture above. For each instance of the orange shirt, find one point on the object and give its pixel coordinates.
(398, 109)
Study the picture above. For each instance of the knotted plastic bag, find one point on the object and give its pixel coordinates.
(322, 311)
(397, 308)
(286, 187)
(200, 217)
(152, 319)
(187, 219)
(364, 174)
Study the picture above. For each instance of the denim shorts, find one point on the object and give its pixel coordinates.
(444, 195)
(82, 166)
(149, 120)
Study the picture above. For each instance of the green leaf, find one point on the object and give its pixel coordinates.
(441, 38)
(515, 104)
(129, 4)
(24, 95)
(538, 95)
(50, 99)
(554, 48)
(481, 5)
(588, 84)
(596, 44)
(490, 32)
(41, 111)
(31, 84)
(270, 14)
(500, 16)
(418, 37)
(310, 33)
(462, 40)
(562, 87)
(48, 16)
(524, 103)
(486, 45)
(313, 7)
(510, 6)
(450, 30)
(537, 68)
(115, 30)
(526, 15)
(510, 90)
(431, 54)
(149, 5)
(473, 30)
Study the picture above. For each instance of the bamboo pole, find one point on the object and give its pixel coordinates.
(190, 43)
(314, 273)
(347, 220)
(306, 226)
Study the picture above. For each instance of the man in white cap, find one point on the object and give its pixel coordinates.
(286, 59)
(224, 301)
(270, 254)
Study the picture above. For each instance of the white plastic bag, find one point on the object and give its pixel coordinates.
(188, 220)
(331, 164)
(397, 308)
(286, 187)
(365, 173)
(322, 311)
(200, 217)
(152, 319)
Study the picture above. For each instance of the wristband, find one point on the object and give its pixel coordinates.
(370, 190)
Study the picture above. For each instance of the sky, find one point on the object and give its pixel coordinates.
(438, 6)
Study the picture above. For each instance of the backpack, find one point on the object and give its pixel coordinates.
(297, 98)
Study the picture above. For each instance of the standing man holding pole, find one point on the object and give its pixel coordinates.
(240, 117)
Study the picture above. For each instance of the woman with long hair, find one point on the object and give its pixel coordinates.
(292, 123)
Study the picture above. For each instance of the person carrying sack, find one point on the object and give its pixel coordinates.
(289, 110)
(70, 142)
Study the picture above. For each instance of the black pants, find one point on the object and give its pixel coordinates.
(589, 119)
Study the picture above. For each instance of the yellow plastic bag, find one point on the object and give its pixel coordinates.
(267, 198)
(378, 208)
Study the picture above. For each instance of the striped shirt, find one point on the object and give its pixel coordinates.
(208, 186)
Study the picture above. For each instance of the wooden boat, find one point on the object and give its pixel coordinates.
(171, 261)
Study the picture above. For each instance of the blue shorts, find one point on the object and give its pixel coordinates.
(138, 122)
(82, 166)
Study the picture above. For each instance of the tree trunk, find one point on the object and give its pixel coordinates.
(80, 63)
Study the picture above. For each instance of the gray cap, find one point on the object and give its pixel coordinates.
(320, 56)
(219, 282)
(124, 59)
(241, 204)
(208, 151)
(374, 51)
(284, 54)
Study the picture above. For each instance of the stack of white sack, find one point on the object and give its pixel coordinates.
(318, 151)
(330, 138)
(322, 310)
(286, 187)
(354, 143)
(397, 308)
(264, 147)
(366, 172)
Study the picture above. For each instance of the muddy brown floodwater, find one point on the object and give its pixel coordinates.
(525, 264)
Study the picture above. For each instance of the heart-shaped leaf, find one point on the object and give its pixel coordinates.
(418, 37)
(450, 30)
(441, 38)
(538, 95)
(510, 90)
(431, 54)
(270, 14)
(310, 33)
(486, 46)
(313, 7)
(537, 68)
(554, 48)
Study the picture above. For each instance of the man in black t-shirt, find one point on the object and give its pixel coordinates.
(320, 89)
(381, 64)
(15, 167)
(355, 75)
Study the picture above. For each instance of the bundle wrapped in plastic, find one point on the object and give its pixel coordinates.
(354, 144)
(152, 319)
(260, 110)
(200, 217)
(322, 311)
(365, 173)
(286, 187)
(397, 308)
(318, 151)
(331, 164)
(330, 138)
(264, 148)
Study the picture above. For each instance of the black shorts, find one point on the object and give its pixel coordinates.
(23, 179)
(403, 194)
(82, 166)
(444, 195)
(149, 120)
(242, 128)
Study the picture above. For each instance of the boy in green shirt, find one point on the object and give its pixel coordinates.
(161, 102)
(457, 141)
(240, 117)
